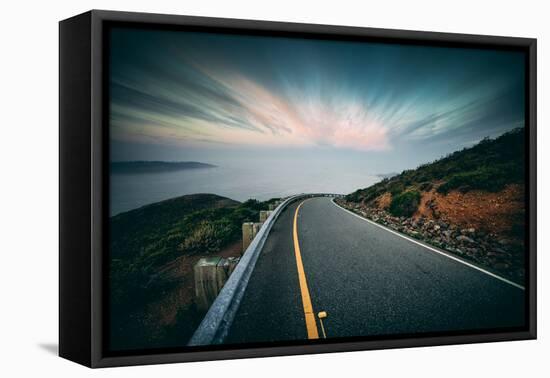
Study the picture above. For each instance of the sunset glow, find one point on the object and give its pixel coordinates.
(206, 90)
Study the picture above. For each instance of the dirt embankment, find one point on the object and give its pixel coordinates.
(498, 213)
(171, 318)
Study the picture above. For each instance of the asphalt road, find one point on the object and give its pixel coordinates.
(369, 281)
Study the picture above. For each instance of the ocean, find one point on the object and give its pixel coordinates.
(239, 181)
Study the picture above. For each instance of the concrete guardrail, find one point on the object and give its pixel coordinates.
(215, 326)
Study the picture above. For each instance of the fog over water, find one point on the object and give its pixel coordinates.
(240, 180)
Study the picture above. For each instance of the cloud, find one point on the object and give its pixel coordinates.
(467, 118)
(232, 104)
(193, 89)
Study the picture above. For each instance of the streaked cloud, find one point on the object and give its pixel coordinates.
(192, 89)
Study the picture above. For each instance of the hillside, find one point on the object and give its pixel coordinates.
(471, 203)
(153, 250)
(135, 167)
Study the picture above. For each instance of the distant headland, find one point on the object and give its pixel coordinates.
(133, 167)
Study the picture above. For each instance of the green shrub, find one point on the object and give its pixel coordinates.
(396, 188)
(488, 178)
(207, 237)
(353, 197)
(405, 204)
(425, 186)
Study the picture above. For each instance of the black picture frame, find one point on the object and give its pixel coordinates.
(83, 181)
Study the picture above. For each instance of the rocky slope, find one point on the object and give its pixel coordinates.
(470, 203)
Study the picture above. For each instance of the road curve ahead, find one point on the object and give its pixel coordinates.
(369, 281)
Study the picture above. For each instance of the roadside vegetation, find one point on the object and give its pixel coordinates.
(144, 239)
(405, 204)
(490, 165)
(147, 242)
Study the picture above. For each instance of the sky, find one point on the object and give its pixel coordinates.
(211, 97)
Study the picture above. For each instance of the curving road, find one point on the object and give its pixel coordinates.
(369, 280)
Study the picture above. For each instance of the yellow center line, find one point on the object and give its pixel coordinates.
(311, 324)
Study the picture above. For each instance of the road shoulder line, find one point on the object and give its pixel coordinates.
(433, 249)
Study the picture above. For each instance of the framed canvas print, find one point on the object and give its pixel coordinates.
(234, 188)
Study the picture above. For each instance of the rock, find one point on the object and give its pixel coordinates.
(437, 227)
(503, 242)
(472, 230)
(463, 238)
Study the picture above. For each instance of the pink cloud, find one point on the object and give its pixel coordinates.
(306, 122)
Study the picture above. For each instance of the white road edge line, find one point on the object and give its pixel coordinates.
(432, 248)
